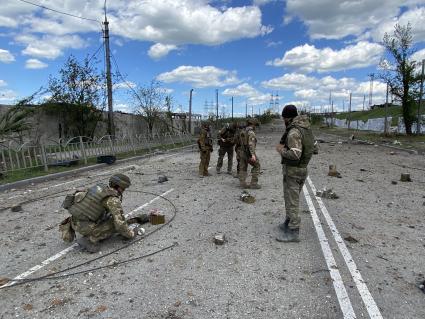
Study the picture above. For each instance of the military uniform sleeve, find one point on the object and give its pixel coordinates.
(202, 140)
(294, 149)
(113, 205)
(252, 141)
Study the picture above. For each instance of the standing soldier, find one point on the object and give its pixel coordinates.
(205, 148)
(238, 148)
(226, 140)
(296, 149)
(96, 214)
(249, 156)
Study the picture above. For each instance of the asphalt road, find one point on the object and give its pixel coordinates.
(361, 255)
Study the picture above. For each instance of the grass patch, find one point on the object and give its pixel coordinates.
(28, 173)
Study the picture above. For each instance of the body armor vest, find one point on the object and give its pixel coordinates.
(308, 146)
(88, 204)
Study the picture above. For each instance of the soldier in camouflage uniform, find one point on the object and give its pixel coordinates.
(226, 140)
(238, 148)
(97, 214)
(249, 156)
(205, 148)
(296, 149)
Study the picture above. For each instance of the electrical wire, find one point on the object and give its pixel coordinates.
(57, 11)
(53, 275)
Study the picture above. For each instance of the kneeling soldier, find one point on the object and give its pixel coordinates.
(97, 214)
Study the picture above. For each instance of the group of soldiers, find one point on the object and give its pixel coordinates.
(232, 138)
(296, 148)
(97, 214)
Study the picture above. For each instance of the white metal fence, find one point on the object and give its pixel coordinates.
(66, 153)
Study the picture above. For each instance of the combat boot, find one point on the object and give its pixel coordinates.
(284, 226)
(254, 186)
(218, 170)
(289, 236)
(243, 185)
(87, 245)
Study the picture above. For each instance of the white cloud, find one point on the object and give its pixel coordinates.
(273, 44)
(329, 19)
(200, 77)
(160, 50)
(3, 83)
(316, 91)
(35, 64)
(252, 95)
(124, 85)
(49, 47)
(308, 58)
(415, 17)
(6, 56)
(7, 96)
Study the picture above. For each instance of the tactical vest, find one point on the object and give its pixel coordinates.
(243, 137)
(88, 205)
(308, 146)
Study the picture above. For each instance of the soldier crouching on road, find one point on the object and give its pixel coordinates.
(296, 149)
(97, 214)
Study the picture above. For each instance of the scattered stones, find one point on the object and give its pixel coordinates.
(396, 142)
(219, 239)
(16, 208)
(393, 153)
(162, 179)
(421, 286)
(327, 193)
(27, 307)
(405, 177)
(351, 239)
(394, 182)
(247, 197)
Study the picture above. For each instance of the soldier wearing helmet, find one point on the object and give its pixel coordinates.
(248, 155)
(226, 141)
(97, 214)
(205, 145)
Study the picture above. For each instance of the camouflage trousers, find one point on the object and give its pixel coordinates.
(93, 231)
(221, 153)
(243, 173)
(238, 160)
(205, 162)
(293, 182)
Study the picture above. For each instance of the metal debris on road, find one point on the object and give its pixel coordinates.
(247, 197)
(156, 217)
(219, 239)
(17, 208)
(351, 239)
(421, 286)
(327, 193)
(162, 178)
(405, 177)
(394, 182)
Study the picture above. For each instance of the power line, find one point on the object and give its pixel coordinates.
(57, 11)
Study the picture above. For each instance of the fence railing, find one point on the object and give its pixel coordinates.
(67, 153)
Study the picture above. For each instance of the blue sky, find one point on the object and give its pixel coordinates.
(299, 49)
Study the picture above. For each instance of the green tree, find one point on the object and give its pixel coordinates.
(150, 101)
(400, 71)
(75, 97)
(14, 120)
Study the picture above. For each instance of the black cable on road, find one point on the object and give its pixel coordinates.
(53, 275)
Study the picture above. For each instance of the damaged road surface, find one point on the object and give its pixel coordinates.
(360, 255)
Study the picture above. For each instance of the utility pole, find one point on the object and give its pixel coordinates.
(111, 128)
(246, 109)
(190, 111)
(418, 130)
(252, 110)
(349, 113)
(364, 100)
(372, 75)
(232, 108)
(386, 113)
(332, 113)
(216, 103)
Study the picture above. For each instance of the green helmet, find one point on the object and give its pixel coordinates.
(120, 180)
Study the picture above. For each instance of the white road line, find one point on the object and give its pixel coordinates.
(367, 298)
(71, 248)
(341, 292)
